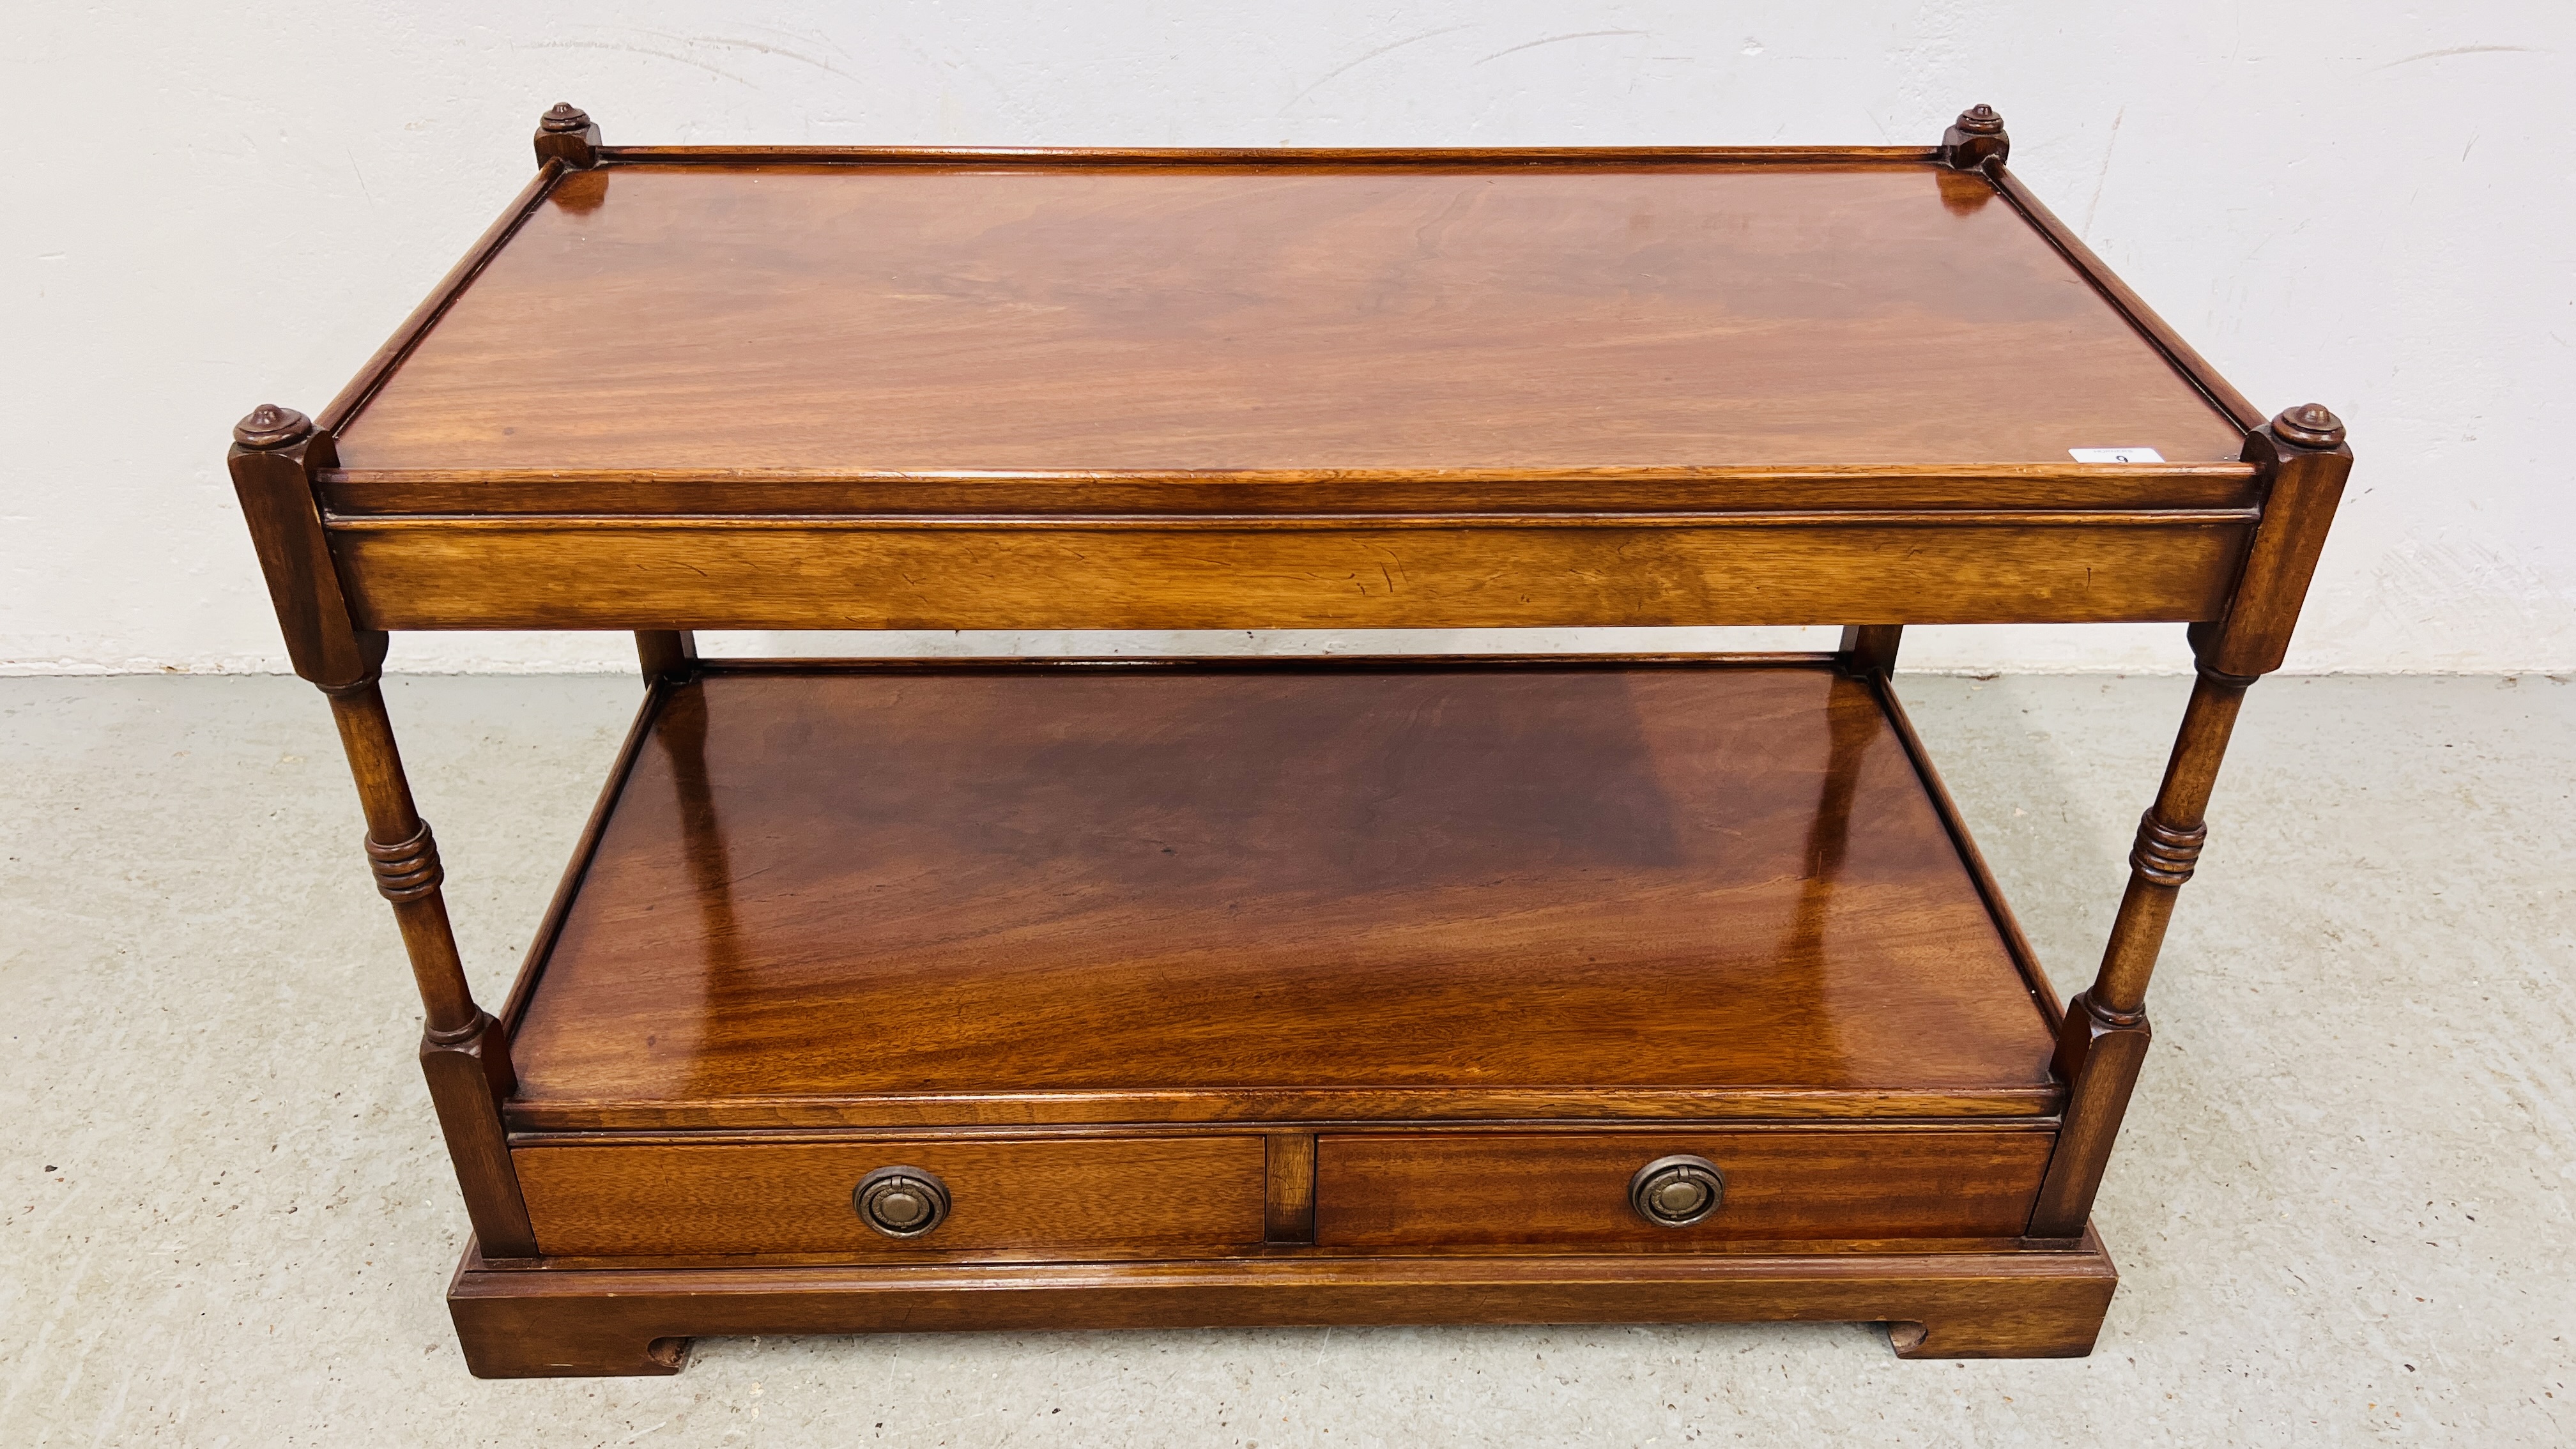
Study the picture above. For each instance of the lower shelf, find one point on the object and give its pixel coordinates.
(1184, 993)
(547, 1322)
(904, 896)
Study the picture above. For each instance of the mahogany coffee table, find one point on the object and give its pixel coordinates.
(903, 995)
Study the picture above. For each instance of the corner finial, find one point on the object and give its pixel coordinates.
(566, 134)
(1977, 137)
(2310, 426)
(270, 426)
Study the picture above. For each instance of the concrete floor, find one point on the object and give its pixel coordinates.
(2341, 1207)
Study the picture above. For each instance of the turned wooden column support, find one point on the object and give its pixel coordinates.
(1976, 138)
(1871, 648)
(565, 134)
(404, 857)
(2105, 1035)
(2104, 1038)
(463, 1052)
(667, 654)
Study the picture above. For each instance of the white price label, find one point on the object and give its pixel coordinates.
(2116, 455)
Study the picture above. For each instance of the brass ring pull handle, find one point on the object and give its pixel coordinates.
(901, 1202)
(1676, 1191)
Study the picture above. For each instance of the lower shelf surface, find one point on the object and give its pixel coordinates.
(928, 896)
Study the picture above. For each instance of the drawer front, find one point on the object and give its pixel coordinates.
(1573, 1189)
(1099, 1198)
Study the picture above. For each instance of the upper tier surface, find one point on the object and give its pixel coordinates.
(1308, 317)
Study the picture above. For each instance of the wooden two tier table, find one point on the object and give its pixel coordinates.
(905, 995)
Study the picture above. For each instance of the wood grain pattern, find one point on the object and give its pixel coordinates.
(720, 492)
(468, 1073)
(1292, 1187)
(1159, 574)
(787, 316)
(2304, 488)
(2032, 972)
(545, 1323)
(584, 847)
(1871, 648)
(274, 485)
(346, 403)
(2103, 1038)
(670, 654)
(2100, 1054)
(2185, 358)
(1085, 1198)
(1295, 891)
(1571, 1191)
(1496, 932)
(464, 1052)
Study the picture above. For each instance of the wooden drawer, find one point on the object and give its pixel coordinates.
(1084, 1198)
(1435, 1189)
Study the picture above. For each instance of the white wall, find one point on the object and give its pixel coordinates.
(2367, 204)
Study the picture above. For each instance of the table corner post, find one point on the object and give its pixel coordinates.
(566, 133)
(2104, 1038)
(1974, 139)
(275, 454)
(668, 656)
(1871, 648)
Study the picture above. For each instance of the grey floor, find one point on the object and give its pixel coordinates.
(2341, 1206)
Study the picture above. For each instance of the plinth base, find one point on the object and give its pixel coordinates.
(540, 1322)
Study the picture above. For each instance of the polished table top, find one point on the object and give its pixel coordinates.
(1315, 316)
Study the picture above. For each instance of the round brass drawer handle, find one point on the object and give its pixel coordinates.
(1676, 1191)
(901, 1202)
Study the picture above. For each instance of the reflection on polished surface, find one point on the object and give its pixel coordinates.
(1329, 318)
(926, 881)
